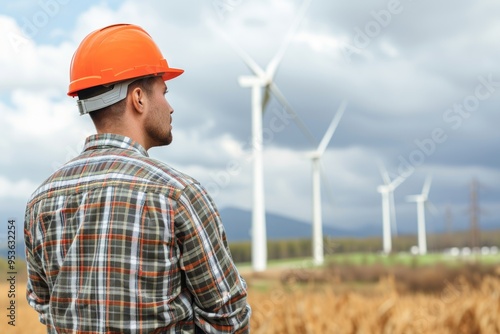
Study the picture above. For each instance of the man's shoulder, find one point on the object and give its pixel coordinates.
(115, 168)
(171, 174)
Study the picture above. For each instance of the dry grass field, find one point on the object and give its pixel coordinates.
(322, 311)
(305, 304)
(26, 319)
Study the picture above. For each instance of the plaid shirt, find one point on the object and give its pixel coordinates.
(117, 242)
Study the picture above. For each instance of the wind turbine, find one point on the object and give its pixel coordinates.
(421, 200)
(317, 229)
(259, 80)
(387, 192)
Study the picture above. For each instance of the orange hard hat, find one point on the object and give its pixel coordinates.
(117, 53)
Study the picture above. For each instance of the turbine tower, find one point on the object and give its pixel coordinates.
(259, 238)
(317, 228)
(259, 80)
(421, 200)
(387, 192)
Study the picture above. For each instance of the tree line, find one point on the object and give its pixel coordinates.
(298, 248)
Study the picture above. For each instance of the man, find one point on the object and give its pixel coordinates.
(117, 242)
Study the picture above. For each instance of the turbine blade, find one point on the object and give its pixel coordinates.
(397, 181)
(282, 100)
(331, 129)
(274, 63)
(427, 186)
(383, 172)
(432, 208)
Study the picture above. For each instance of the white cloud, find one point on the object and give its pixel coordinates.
(101, 15)
(319, 42)
(36, 115)
(20, 189)
(31, 66)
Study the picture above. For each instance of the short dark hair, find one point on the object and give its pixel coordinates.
(110, 114)
(145, 83)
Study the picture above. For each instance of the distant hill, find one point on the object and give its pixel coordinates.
(238, 224)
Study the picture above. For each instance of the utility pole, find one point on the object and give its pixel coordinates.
(474, 215)
(448, 226)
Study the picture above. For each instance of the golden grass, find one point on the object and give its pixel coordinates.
(459, 308)
(26, 318)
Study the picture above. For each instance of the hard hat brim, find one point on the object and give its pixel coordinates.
(172, 73)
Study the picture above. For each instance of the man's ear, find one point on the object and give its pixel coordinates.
(138, 99)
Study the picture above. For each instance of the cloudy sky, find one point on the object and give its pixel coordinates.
(421, 78)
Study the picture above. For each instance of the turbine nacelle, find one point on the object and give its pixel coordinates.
(424, 195)
(267, 80)
(416, 198)
(250, 81)
(383, 189)
(387, 188)
(314, 155)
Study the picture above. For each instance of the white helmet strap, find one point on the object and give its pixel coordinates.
(116, 94)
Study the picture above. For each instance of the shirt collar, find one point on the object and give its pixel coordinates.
(107, 140)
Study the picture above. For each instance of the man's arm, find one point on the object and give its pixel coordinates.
(37, 291)
(219, 292)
